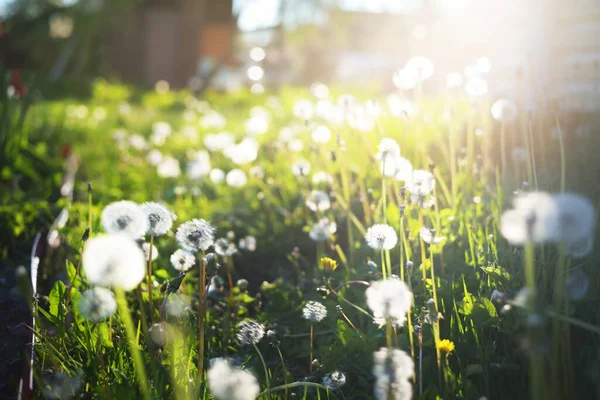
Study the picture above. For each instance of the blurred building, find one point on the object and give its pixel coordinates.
(575, 53)
(165, 39)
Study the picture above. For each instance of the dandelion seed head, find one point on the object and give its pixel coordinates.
(334, 380)
(381, 237)
(224, 247)
(97, 304)
(388, 148)
(227, 383)
(218, 141)
(248, 243)
(250, 332)
(504, 110)
(124, 217)
(236, 178)
(114, 260)
(577, 217)
(322, 177)
(429, 236)
(195, 235)
(476, 87)
(389, 299)
(160, 218)
(182, 260)
(392, 369)
(146, 250)
(301, 168)
(217, 175)
(535, 217)
(318, 201)
(314, 311)
(154, 157)
(322, 230)
(168, 168)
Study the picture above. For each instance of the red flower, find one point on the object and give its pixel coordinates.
(17, 83)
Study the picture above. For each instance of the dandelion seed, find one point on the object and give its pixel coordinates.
(160, 219)
(389, 300)
(195, 235)
(381, 237)
(392, 369)
(250, 332)
(322, 230)
(422, 66)
(227, 383)
(314, 311)
(429, 236)
(334, 380)
(115, 260)
(182, 260)
(124, 217)
(236, 178)
(318, 201)
(97, 304)
(304, 109)
(199, 165)
(257, 125)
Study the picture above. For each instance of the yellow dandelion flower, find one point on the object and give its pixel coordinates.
(446, 346)
(328, 265)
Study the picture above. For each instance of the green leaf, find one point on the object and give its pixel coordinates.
(56, 297)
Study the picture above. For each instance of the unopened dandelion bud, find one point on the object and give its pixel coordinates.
(431, 167)
(315, 364)
(323, 291)
(410, 265)
(89, 187)
(242, 284)
(86, 234)
(338, 309)
(431, 304)
(212, 265)
(402, 209)
(403, 192)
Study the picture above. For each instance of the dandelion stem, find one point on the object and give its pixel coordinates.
(536, 369)
(133, 343)
(383, 265)
(563, 165)
(202, 312)
(262, 360)
(149, 280)
(311, 348)
(285, 379)
(383, 193)
(503, 149)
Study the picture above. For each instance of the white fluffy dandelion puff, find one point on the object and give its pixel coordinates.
(381, 237)
(227, 383)
(114, 260)
(535, 218)
(389, 299)
(392, 369)
(314, 311)
(388, 149)
(160, 218)
(195, 235)
(250, 332)
(322, 230)
(429, 236)
(334, 380)
(97, 304)
(182, 260)
(318, 200)
(126, 217)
